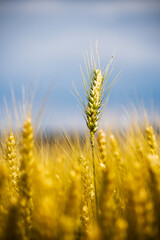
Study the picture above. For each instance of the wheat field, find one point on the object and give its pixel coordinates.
(104, 185)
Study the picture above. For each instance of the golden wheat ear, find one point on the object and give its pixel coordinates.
(102, 146)
(151, 140)
(26, 171)
(12, 165)
(97, 93)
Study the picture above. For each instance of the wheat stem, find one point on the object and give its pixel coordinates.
(94, 173)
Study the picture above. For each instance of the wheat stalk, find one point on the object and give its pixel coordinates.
(96, 94)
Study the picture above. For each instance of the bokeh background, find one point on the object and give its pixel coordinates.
(42, 45)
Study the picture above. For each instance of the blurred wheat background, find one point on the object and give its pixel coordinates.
(73, 167)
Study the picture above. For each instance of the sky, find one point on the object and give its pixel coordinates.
(43, 44)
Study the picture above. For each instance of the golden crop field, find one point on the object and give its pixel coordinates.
(102, 186)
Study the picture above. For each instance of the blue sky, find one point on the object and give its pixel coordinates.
(43, 43)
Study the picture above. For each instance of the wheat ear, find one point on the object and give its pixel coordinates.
(92, 116)
(96, 94)
(102, 145)
(151, 140)
(26, 178)
(12, 164)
